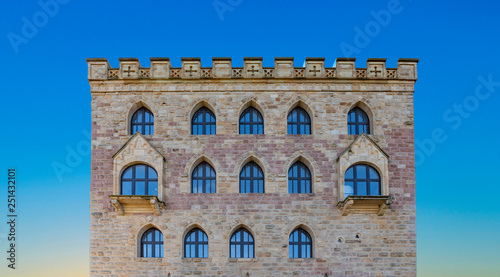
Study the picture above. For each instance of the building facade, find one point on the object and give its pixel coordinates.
(252, 171)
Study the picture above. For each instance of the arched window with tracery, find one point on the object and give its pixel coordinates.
(196, 244)
(241, 244)
(251, 179)
(299, 178)
(251, 122)
(152, 244)
(142, 122)
(203, 179)
(358, 122)
(362, 179)
(203, 122)
(300, 244)
(299, 122)
(139, 179)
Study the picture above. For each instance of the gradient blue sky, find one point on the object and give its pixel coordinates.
(46, 99)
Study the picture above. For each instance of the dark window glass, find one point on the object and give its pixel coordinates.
(241, 244)
(203, 122)
(362, 179)
(299, 178)
(251, 122)
(196, 244)
(152, 244)
(251, 179)
(203, 179)
(142, 122)
(300, 244)
(139, 179)
(299, 122)
(358, 122)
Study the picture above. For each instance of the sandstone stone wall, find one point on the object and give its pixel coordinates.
(352, 245)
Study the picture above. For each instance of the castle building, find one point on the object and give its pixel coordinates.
(252, 171)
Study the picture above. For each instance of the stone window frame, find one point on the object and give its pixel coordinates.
(384, 183)
(301, 156)
(143, 123)
(365, 106)
(299, 102)
(206, 125)
(252, 111)
(300, 178)
(138, 238)
(227, 237)
(355, 180)
(119, 169)
(134, 180)
(256, 105)
(251, 156)
(192, 173)
(301, 243)
(378, 159)
(134, 107)
(253, 178)
(311, 233)
(185, 181)
(364, 124)
(149, 156)
(299, 110)
(183, 241)
(203, 103)
(162, 243)
(253, 242)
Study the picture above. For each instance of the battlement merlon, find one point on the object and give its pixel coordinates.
(191, 69)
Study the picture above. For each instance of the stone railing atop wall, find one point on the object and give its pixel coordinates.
(130, 68)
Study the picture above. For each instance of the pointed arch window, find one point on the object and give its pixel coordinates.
(152, 244)
(142, 122)
(300, 244)
(299, 178)
(251, 179)
(299, 122)
(139, 179)
(241, 244)
(362, 179)
(203, 122)
(251, 122)
(203, 179)
(196, 244)
(358, 122)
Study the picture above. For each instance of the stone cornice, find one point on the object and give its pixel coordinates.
(349, 85)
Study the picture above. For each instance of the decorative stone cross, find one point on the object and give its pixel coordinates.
(253, 70)
(191, 70)
(128, 71)
(376, 71)
(314, 70)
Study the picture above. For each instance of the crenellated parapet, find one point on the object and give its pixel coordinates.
(191, 68)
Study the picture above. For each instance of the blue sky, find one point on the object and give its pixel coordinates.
(47, 101)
